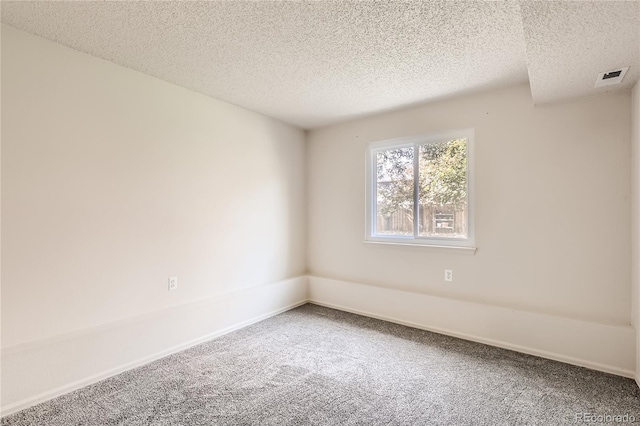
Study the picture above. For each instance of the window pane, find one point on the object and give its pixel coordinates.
(443, 189)
(394, 186)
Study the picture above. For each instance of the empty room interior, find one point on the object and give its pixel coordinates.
(320, 213)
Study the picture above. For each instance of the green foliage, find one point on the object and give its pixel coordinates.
(443, 176)
(443, 173)
(395, 180)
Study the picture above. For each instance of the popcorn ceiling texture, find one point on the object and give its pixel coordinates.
(569, 43)
(306, 63)
(317, 63)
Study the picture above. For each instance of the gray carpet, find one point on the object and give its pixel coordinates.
(318, 366)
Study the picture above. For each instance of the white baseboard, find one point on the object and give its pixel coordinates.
(38, 371)
(605, 347)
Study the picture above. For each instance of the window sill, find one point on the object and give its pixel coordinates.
(428, 247)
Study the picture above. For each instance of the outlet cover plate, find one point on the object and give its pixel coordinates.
(173, 283)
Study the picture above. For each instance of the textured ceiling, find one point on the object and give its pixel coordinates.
(321, 62)
(309, 63)
(569, 43)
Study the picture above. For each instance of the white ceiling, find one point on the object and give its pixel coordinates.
(317, 63)
(569, 43)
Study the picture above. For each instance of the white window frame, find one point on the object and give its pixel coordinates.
(371, 193)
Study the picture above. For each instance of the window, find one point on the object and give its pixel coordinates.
(428, 177)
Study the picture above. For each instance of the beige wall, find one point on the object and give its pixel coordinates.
(112, 181)
(552, 205)
(635, 223)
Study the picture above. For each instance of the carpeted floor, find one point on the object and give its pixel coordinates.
(318, 366)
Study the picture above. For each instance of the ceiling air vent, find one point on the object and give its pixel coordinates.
(611, 77)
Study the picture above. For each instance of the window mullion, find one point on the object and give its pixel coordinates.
(416, 190)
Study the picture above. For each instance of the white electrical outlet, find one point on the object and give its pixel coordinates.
(173, 283)
(448, 275)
